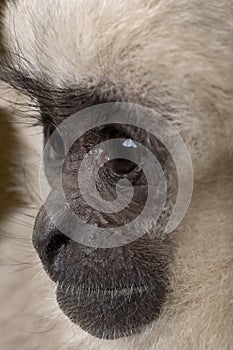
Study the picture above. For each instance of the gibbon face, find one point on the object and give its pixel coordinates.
(171, 58)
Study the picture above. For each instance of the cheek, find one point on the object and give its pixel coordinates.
(209, 145)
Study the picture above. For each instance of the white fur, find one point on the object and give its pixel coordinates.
(179, 51)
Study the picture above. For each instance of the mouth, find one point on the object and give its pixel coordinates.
(111, 313)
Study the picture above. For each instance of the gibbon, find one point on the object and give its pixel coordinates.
(161, 290)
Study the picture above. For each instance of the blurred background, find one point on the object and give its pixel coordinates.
(9, 148)
(21, 296)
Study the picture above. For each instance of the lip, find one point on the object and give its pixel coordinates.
(110, 313)
(83, 290)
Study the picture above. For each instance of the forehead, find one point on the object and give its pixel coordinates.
(76, 38)
(121, 39)
(148, 50)
(94, 50)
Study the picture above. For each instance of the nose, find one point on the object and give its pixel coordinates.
(139, 262)
(65, 260)
(48, 241)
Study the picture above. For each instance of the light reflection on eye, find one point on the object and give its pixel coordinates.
(129, 143)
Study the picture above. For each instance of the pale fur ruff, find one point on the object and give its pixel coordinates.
(181, 47)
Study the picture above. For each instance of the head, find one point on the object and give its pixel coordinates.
(173, 58)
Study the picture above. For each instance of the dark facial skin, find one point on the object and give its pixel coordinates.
(113, 292)
(110, 293)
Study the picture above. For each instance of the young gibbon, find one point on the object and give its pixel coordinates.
(169, 59)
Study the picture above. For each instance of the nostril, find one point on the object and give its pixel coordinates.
(57, 242)
(48, 241)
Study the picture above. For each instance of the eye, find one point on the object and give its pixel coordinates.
(125, 149)
(118, 154)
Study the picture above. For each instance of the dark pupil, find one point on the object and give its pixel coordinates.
(122, 166)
